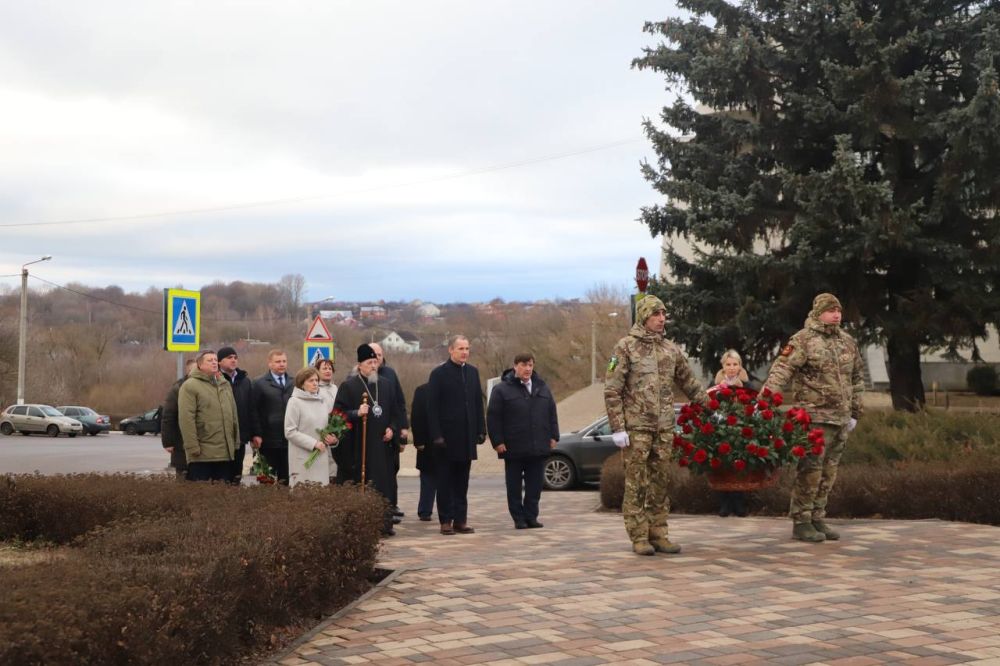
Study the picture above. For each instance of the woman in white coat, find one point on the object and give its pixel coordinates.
(307, 413)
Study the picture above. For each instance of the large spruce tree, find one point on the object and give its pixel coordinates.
(851, 147)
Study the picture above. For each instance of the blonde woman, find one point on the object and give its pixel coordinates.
(305, 414)
(732, 374)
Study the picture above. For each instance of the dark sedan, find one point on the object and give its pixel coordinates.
(140, 425)
(579, 456)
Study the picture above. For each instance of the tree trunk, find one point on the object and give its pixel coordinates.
(905, 383)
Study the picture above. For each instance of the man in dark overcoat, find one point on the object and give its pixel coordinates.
(170, 429)
(523, 428)
(374, 461)
(271, 392)
(457, 425)
(425, 461)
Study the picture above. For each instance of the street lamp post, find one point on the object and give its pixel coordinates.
(593, 348)
(23, 332)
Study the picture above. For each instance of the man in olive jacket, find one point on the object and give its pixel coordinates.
(521, 419)
(206, 414)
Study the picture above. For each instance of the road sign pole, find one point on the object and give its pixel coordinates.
(180, 365)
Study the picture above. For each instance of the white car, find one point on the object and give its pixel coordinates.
(29, 419)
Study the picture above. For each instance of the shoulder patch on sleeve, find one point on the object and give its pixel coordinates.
(787, 350)
(612, 363)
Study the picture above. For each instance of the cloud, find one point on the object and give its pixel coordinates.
(369, 124)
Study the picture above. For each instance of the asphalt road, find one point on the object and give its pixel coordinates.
(106, 453)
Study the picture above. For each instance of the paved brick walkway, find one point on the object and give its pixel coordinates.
(742, 592)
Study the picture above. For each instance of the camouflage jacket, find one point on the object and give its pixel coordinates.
(638, 390)
(824, 367)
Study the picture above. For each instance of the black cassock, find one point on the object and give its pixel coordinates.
(379, 466)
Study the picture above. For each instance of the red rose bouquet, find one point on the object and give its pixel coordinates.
(263, 470)
(336, 424)
(740, 430)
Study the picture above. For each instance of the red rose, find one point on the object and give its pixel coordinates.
(777, 399)
(762, 451)
(726, 392)
(747, 432)
(743, 397)
(761, 404)
(724, 449)
(815, 436)
(738, 465)
(767, 415)
(678, 442)
(695, 421)
(682, 419)
(683, 462)
(687, 429)
(713, 404)
(715, 463)
(688, 447)
(732, 420)
(817, 449)
(708, 429)
(700, 456)
(802, 416)
(766, 392)
(748, 410)
(788, 426)
(798, 451)
(779, 443)
(752, 449)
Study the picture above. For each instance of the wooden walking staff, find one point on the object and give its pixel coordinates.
(364, 441)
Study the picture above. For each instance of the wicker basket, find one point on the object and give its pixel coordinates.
(742, 481)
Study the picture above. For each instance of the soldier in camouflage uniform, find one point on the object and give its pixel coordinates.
(824, 367)
(638, 395)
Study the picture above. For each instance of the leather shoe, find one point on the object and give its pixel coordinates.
(397, 512)
(462, 528)
(396, 520)
(426, 519)
(446, 528)
(389, 532)
(520, 525)
(533, 523)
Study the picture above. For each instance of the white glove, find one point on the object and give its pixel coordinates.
(852, 424)
(620, 439)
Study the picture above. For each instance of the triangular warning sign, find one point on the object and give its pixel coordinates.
(318, 331)
(183, 325)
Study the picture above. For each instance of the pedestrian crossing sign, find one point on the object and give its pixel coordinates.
(181, 320)
(314, 351)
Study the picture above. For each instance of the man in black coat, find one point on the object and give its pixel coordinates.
(271, 392)
(401, 427)
(170, 429)
(456, 424)
(425, 462)
(523, 429)
(369, 457)
(243, 394)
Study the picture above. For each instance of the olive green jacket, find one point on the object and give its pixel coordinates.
(639, 387)
(823, 365)
(206, 413)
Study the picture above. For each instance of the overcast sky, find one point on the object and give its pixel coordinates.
(440, 150)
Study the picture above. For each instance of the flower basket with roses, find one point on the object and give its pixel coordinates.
(739, 439)
(336, 424)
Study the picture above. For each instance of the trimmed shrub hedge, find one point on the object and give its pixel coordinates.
(912, 491)
(982, 379)
(166, 572)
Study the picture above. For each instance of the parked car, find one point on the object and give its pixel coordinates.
(579, 456)
(93, 423)
(29, 419)
(143, 423)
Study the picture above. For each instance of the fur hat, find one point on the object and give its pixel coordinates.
(822, 303)
(646, 307)
(365, 352)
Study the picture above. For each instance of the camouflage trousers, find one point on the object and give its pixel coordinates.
(816, 475)
(646, 506)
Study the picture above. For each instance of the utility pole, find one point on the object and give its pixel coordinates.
(22, 338)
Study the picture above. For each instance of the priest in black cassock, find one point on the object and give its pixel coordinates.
(378, 461)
